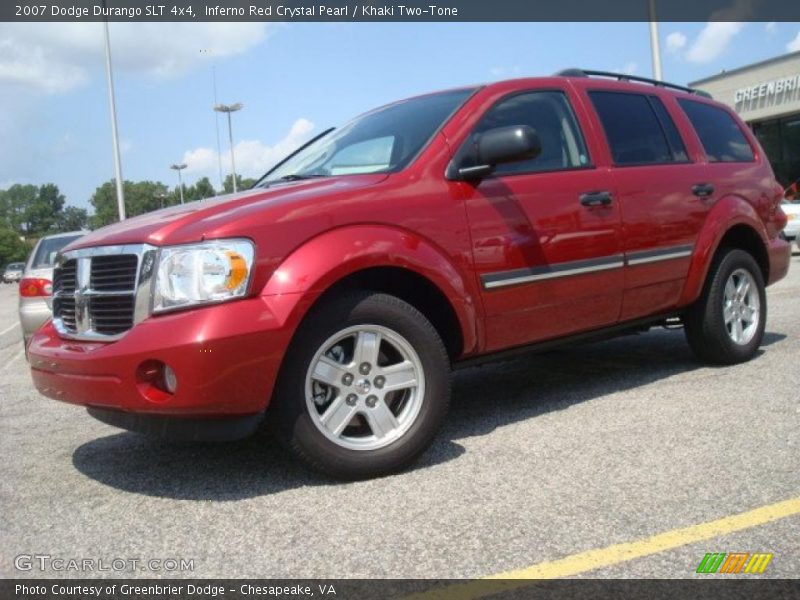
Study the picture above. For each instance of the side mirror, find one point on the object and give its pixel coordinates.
(494, 147)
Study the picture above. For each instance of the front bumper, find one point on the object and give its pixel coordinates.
(226, 358)
(780, 255)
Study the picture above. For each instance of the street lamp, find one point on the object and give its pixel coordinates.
(112, 109)
(228, 109)
(161, 197)
(179, 167)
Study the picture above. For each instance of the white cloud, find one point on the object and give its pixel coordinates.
(57, 57)
(794, 45)
(771, 27)
(505, 71)
(629, 68)
(676, 41)
(253, 157)
(713, 40)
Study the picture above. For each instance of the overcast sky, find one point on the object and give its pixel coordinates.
(294, 80)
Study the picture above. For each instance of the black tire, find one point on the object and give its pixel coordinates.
(704, 323)
(289, 414)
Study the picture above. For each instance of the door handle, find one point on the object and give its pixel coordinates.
(702, 190)
(596, 198)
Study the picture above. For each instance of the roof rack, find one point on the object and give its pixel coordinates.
(625, 77)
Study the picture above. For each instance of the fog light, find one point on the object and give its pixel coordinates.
(170, 379)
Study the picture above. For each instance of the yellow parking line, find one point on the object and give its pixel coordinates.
(615, 554)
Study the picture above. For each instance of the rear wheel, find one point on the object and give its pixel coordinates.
(726, 324)
(364, 387)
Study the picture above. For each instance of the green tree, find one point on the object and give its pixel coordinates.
(12, 248)
(241, 184)
(200, 190)
(72, 218)
(41, 213)
(13, 205)
(140, 197)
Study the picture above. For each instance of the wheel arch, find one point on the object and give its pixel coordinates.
(733, 223)
(385, 259)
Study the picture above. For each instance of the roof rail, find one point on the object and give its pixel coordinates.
(625, 77)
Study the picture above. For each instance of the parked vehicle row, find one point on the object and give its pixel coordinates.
(13, 272)
(792, 230)
(36, 282)
(333, 299)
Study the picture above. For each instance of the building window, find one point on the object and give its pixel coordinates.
(780, 139)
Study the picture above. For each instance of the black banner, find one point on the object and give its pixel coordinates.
(403, 10)
(712, 588)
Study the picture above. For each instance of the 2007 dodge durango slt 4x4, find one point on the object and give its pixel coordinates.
(340, 290)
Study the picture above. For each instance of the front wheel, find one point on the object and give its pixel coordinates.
(726, 324)
(364, 387)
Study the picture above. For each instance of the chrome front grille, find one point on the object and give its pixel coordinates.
(100, 293)
(64, 283)
(113, 273)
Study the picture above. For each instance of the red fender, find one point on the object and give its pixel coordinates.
(726, 214)
(322, 261)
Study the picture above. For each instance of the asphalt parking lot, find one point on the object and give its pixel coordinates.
(544, 457)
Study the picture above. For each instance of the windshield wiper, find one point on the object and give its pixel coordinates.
(298, 177)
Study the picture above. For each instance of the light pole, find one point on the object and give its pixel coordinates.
(654, 46)
(114, 134)
(161, 197)
(179, 167)
(216, 126)
(228, 109)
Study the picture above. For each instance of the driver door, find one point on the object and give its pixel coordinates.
(546, 231)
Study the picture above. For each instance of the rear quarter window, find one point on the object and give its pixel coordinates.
(721, 136)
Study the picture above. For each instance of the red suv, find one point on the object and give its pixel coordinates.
(333, 298)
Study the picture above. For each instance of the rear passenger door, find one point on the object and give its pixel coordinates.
(654, 179)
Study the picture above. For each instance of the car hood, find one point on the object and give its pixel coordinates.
(197, 220)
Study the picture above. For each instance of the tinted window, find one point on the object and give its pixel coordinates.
(722, 139)
(668, 125)
(550, 114)
(634, 132)
(48, 248)
(386, 139)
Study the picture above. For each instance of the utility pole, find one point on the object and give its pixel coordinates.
(114, 134)
(216, 125)
(228, 109)
(654, 45)
(179, 167)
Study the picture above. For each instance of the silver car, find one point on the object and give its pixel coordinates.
(792, 209)
(36, 287)
(13, 272)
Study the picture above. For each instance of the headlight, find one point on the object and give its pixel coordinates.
(213, 271)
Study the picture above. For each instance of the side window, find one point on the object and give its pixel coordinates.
(722, 139)
(550, 114)
(636, 133)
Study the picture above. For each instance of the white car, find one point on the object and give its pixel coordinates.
(36, 286)
(792, 210)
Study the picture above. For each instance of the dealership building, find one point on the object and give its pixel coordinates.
(767, 96)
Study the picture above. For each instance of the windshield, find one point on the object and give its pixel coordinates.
(15, 267)
(49, 247)
(386, 139)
